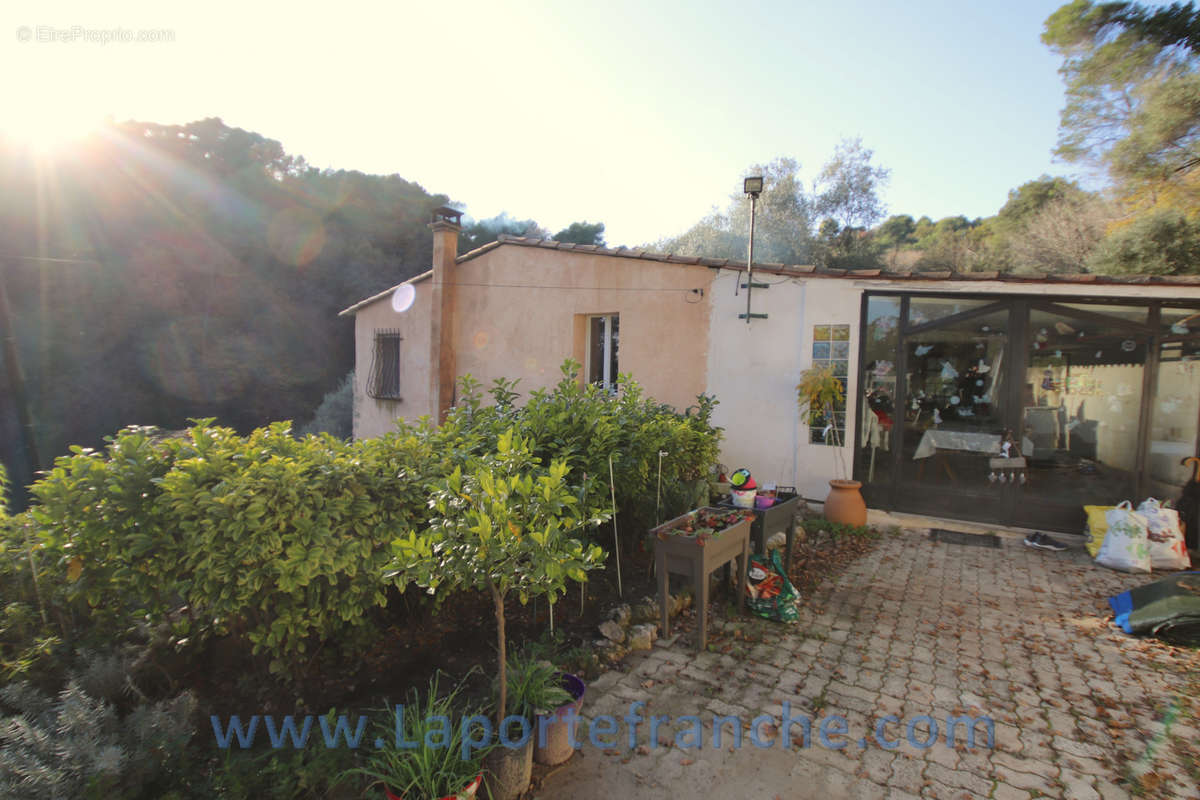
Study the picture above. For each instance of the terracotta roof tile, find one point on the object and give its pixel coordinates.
(803, 270)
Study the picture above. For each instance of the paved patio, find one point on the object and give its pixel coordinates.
(916, 628)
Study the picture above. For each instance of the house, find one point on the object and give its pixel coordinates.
(1089, 385)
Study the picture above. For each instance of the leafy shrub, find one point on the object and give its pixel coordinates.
(285, 541)
(335, 414)
(1163, 242)
(281, 540)
(583, 425)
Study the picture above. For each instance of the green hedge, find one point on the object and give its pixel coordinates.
(285, 540)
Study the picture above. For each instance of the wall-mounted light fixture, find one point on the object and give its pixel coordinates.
(752, 186)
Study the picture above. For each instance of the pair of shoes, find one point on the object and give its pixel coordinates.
(1043, 542)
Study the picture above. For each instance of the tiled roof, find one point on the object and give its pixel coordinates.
(805, 270)
(808, 270)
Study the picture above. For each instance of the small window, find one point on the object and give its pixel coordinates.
(831, 348)
(603, 340)
(384, 381)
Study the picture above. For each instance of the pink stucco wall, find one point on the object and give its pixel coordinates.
(521, 311)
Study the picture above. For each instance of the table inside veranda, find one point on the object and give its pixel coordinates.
(937, 443)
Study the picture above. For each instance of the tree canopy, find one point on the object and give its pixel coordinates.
(582, 233)
(1133, 88)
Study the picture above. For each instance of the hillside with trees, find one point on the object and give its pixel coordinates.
(157, 273)
(1131, 119)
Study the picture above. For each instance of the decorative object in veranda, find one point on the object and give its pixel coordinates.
(819, 394)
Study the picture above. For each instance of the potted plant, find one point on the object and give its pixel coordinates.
(820, 394)
(431, 766)
(548, 698)
(504, 526)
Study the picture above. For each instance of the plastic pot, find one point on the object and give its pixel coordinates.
(466, 794)
(557, 747)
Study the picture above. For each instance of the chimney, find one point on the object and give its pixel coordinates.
(446, 224)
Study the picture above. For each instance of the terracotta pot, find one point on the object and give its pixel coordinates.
(556, 747)
(466, 794)
(845, 503)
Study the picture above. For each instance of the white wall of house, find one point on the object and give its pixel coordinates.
(753, 371)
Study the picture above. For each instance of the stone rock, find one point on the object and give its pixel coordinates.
(777, 541)
(645, 611)
(641, 637)
(609, 652)
(621, 614)
(612, 631)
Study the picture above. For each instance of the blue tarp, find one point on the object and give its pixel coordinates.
(1168, 608)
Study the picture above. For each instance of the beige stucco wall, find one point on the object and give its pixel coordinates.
(375, 417)
(520, 312)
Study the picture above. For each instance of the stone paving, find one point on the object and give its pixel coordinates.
(915, 628)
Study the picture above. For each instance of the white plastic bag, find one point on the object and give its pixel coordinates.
(1167, 548)
(1126, 544)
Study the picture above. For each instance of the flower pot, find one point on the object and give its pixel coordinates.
(845, 503)
(509, 770)
(554, 747)
(466, 794)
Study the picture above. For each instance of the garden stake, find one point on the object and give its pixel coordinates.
(612, 486)
(658, 491)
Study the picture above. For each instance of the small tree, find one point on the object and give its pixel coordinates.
(504, 526)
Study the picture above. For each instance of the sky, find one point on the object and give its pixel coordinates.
(641, 115)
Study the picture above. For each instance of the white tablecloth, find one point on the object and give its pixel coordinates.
(986, 443)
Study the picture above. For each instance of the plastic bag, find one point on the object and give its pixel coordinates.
(1165, 534)
(1126, 545)
(1097, 526)
(769, 592)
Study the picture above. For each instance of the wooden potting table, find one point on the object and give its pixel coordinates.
(688, 556)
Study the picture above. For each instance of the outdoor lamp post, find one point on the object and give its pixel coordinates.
(753, 187)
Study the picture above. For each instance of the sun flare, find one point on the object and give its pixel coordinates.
(48, 130)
